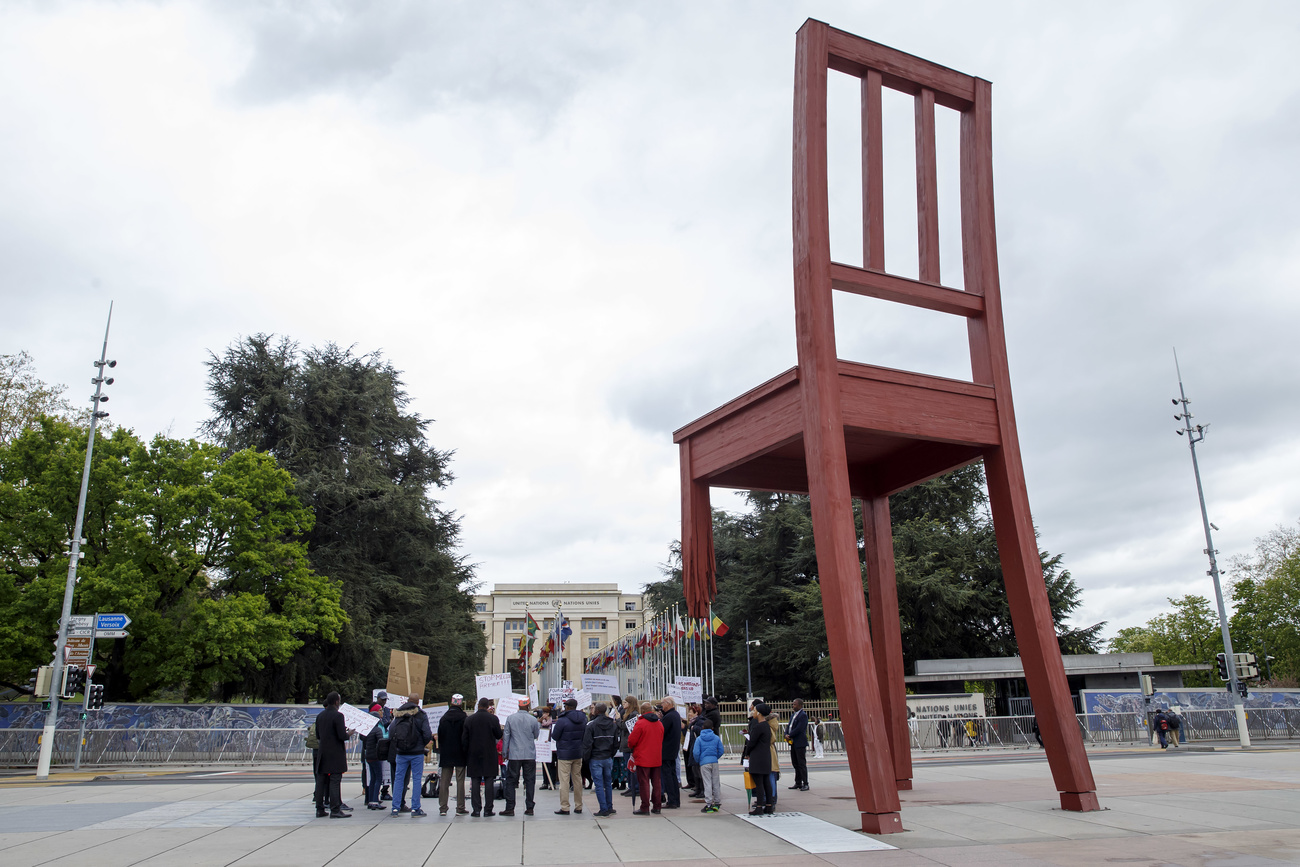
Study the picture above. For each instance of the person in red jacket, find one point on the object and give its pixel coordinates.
(647, 741)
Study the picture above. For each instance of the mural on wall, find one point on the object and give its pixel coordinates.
(31, 715)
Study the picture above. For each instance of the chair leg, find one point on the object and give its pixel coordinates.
(886, 632)
(1031, 615)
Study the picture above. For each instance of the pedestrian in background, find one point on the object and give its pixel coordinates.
(797, 734)
(672, 749)
(370, 751)
(333, 735)
(631, 713)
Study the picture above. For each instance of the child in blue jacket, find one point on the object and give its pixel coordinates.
(707, 751)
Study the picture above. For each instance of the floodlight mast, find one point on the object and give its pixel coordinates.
(1194, 434)
(74, 555)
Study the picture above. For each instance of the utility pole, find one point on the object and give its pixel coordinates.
(1195, 434)
(74, 555)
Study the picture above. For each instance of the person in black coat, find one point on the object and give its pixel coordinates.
(333, 735)
(479, 741)
(672, 751)
(451, 755)
(797, 731)
(758, 749)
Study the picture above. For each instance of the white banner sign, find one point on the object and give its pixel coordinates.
(493, 685)
(358, 720)
(692, 689)
(600, 684)
(507, 706)
(544, 746)
(583, 698)
(393, 702)
(675, 693)
(435, 714)
(559, 696)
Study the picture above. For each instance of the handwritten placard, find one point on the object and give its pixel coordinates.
(583, 698)
(559, 696)
(692, 689)
(532, 694)
(358, 720)
(435, 713)
(545, 746)
(600, 684)
(506, 706)
(493, 685)
(675, 693)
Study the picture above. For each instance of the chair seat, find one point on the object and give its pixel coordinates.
(900, 428)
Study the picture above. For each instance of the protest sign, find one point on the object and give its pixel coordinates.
(692, 689)
(568, 684)
(532, 694)
(600, 684)
(583, 698)
(545, 746)
(393, 702)
(493, 685)
(358, 720)
(506, 705)
(435, 713)
(675, 693)
(406, 673)
(559, 696)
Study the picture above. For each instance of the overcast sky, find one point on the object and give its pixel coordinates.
(569, 224)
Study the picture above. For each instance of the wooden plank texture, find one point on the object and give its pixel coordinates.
(873, 175)
(927, 189)
(890, 287)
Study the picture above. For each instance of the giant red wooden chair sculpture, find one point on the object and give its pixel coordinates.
(836, 429)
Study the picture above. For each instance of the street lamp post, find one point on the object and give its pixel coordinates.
(1194, 434)
(749, 676)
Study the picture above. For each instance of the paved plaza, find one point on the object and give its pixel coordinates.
(1226, 807)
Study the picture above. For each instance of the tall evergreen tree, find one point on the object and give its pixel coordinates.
(338, 422)
(951, 597)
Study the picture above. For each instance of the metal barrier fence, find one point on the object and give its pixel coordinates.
(19, 747)
(155, 746)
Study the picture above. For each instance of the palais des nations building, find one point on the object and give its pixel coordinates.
(598, 615)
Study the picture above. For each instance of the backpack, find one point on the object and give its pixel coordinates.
(1164, 725)
(405, 736)
(383, 744)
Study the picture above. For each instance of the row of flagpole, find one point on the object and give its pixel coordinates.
(667, 646)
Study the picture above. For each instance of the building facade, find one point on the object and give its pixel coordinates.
(598, 614)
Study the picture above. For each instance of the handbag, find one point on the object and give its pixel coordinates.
(312, 741)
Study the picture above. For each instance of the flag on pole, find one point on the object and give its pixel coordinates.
(719, 628)
(532, 628)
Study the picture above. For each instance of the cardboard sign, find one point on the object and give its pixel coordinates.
(600, 684)
(435, 713)
(358, 720)
(583, 698)
(406, 673)
(692, 689)
(493, 685)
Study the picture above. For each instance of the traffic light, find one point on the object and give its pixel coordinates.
(74, 679)
(1148, 685)
(40, 681)
(1221, 659)
(1246, 667)
(94, 696)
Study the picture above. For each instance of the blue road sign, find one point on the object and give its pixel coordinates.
(112, 621)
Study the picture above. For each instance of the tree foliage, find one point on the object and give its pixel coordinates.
(1266, 593)
(198, 548)
(1188, 634)
(338, 422)
(951, 597)
(24, 398)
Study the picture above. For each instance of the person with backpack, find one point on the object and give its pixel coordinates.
(707, 752)
(374, 750)
(451, 756)
(1175, 728)
(1161, 725)
(410, 737)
